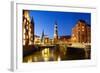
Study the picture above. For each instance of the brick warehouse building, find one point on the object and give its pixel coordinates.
(81, 33)
(28, 28)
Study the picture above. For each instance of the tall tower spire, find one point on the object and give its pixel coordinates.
(42, 37)
(55, 33)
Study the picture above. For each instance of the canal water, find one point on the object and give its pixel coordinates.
(57, 54)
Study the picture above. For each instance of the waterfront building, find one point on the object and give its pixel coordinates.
(65, 38)
(28, 29)
(46, 40)
(81, 33)
(37, 39)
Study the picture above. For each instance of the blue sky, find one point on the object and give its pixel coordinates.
(45, 20)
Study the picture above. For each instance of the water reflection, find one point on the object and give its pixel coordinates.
(59, 58)
(46, 54)
(35, 58)
(57, 54)
(30, 59)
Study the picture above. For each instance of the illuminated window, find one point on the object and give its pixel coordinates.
(26, 27)
(24, 30)
(73, 35)
(24, 21)
(23, 42)
(82, 29)
(30, 43)
(27, 36)
(27, 23)
(24, 36)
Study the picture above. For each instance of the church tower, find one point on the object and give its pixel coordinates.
(55, 33)
(42, 37)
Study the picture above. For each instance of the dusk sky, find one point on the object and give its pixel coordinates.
(45, 20)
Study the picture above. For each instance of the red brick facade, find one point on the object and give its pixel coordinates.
(81, 33)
